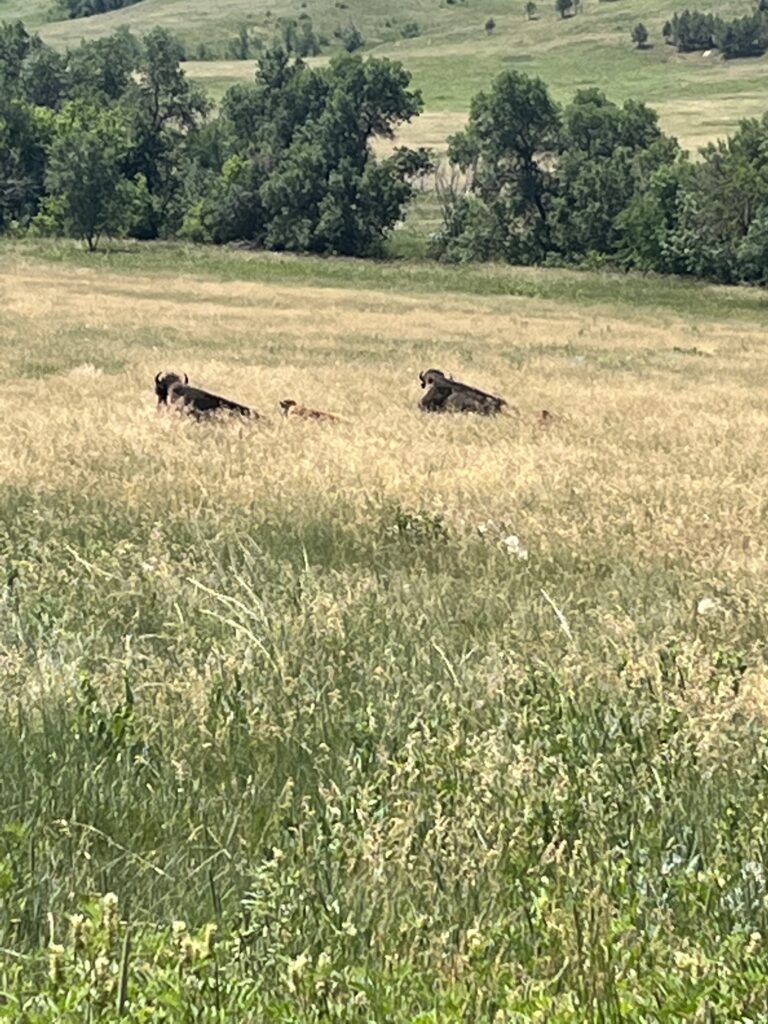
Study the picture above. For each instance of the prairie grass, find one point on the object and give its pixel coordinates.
(435, 719)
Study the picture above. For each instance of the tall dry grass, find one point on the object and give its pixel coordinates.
(444, 716)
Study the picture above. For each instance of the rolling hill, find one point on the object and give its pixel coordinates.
(699, 98)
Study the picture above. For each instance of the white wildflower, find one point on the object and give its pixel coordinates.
(515, 546)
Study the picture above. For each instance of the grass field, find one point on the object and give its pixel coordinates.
(434, 719)
(699, 98)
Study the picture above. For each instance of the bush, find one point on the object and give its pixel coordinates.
(640, 36)
(351, 37)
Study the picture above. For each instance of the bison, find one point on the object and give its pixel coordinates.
(447, 395)
(178, 393)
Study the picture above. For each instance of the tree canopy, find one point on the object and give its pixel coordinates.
(111, 138)
(288, 164)
(301, 173)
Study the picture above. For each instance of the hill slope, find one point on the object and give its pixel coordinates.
(699, 98)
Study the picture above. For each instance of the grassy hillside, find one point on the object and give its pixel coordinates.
(436, 719)
(699, 98)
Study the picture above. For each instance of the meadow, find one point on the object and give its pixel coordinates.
(398, 719)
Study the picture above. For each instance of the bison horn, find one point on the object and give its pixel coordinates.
(186, 379)
(157, 378)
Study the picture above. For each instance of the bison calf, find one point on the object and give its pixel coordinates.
(290, 408)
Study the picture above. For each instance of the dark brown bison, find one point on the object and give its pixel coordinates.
(444, 394)
(178, 393)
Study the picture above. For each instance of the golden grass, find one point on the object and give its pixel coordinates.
(327, 639)
(659, 454)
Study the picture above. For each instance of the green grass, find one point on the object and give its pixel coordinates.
(303, 684)
(628, 292)
(432, 795)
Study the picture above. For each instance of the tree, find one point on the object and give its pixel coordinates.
(640, 36)
(563, 7)
(304, 176)
(507, 149)
(490, 26)
(15, 46)
(606, 153)
(530, 10)
(86, 8)
(692, 31)
(544, 184)
(25, 134)
(88, 192)
(742, 37)
(167, 111)
(103, 70)
(351, 38)
(31, 84)
(239, 47)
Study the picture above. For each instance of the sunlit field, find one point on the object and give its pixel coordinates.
(433, 718)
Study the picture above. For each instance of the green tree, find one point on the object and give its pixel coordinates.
(104, 69)
(25, 134)
(304, 176)
(507, 149)
(563, 7)
(742, 37)
(31, 80)
(490, 26)
(648, 225)
(88, 192)
(351, 38)
(606, 154)
(86, 8)
(640, 36)
(15, 46)
(706, 218)
(530, 10)
(167, 111)
(731, 193)
(240, 46)
(752, 251)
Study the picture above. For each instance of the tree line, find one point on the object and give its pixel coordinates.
(85, 8)
(112, 139)
(739, 37)
(600, 184)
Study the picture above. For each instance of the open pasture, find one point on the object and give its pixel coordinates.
(436, 718)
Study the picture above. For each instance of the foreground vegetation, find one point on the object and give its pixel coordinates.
(394, 719)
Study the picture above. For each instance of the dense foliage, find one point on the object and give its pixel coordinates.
(113, 139)
(85, 8)
(739, 37)
(299, 173)
(596, 182)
